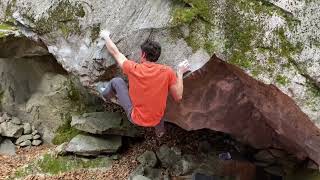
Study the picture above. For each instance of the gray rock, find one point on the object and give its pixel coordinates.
(312, 165)
(91, 146)
(140, 177)
(27, 128)
(185, 166)
(151, 173)
(7, 117)
(261, 164)
(139, 171)
(36, 142)
(168, 157)
(274, 170)
(277, 153)
(25, 143)
(16, 121)
(11, 130)
(2, 119)
(154, 174)
(265, 156)
(148, 159)
(34, 132)
(104, 123)
(7, 148)
(23, 138)
(37, 136)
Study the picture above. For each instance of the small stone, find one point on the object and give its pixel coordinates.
(261, 164)
(2, 119)
(186, 165)
(148, 159)
(278, 153)
(115, 157)
(34, 132)
(274, 170)
(140, 177)
(61, 149)
(167, 156)
(6, 117)
(265, 156)
(33, 128)
(16, 121)
(154, 174)
(7, 148)
(312, 165)
(25, 143)
(27, 128)
(36, 142)
(37, 136)
(23, 138)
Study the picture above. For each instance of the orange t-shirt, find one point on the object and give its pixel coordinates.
(149, 85)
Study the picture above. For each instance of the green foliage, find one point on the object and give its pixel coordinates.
(65, 132)
(50, 164)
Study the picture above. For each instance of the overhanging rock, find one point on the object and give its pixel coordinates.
(221, 97)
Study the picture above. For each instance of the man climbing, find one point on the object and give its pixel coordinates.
(149, 84)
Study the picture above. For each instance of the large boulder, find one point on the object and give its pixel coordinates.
(224, 98)
(104, 123)
(274, 41)
(92, 146)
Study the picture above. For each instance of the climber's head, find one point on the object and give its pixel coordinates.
(150, 51)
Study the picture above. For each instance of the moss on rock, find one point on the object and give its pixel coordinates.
(63, 16)
(65, 132)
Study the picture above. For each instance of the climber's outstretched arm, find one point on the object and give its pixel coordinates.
(112, 48)
(176, 90)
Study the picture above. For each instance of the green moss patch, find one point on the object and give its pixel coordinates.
(191, 10)
(50, 164)
(65, 132)
(6, 27)
(282, 80)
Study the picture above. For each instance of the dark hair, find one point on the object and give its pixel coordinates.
(152, 50)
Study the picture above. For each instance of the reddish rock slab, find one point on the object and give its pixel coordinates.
(222, 97)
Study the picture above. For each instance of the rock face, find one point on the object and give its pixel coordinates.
(36, 89)
(104, 123)
(223, 98)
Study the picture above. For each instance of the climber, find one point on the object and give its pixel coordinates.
(149, 84)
